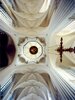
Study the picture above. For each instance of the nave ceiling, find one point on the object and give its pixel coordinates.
(35, 28)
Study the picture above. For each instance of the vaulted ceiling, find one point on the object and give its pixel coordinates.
(36, 27)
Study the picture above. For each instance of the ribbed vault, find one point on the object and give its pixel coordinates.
(44, 78)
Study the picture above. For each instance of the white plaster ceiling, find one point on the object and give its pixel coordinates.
(31, 20)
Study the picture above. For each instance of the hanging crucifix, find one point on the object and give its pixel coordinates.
(61, 49)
